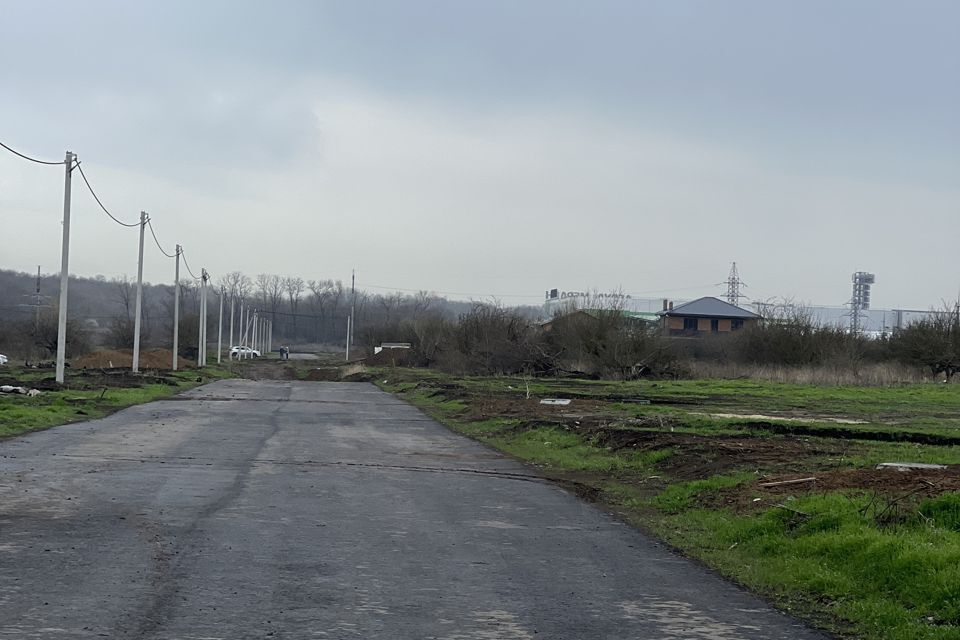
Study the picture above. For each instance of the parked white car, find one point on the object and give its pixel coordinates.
(243, 352)
(4, 359)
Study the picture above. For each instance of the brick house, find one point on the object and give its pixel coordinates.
(704, 316)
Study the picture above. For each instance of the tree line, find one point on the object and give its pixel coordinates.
(462, 337)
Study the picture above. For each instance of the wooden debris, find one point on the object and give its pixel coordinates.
(782, 482)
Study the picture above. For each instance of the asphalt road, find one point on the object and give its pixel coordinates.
(297, 510)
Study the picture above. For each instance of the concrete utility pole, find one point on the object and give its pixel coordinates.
(202, 338)
(64, 269)
(220, 328)
(240, 329)
(353, 303)
(136, 320)
(176, 306)
(270, 337)
(230, 345)
(348, 337)
(253, 330)
(206, 292)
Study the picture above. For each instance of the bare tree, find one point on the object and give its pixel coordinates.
(421, 302)
(933, 342)
(270, 288)
(294, 289)
(125, 293)
(237, 285)
(390, 302)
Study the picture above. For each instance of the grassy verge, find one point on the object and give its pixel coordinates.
(858, 553)
(83, 397)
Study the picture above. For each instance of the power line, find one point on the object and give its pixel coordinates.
(523, 295)
(453, 293)
(26, 157)
(150, 224)
(186, 264)
(93, 193)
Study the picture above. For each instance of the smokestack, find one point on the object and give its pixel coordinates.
(671, 305)
(664, 304)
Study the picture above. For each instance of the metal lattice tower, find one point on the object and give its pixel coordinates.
(860, 301)
(733, 286)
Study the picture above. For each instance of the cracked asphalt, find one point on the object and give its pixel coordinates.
(278, 509)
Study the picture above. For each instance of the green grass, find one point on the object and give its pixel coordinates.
(22, 414)
(827, 556)
(892, 582)
(919, 408)
(681, 496)
(556, 448)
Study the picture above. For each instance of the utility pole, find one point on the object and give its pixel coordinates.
(206, 291)
(351, 321)
(253, 330)
(353, 303)
(176, 306)
(202, 339)
(220, 328)
(241, 337)
(38, 303)
(136, 320)
(64, 270)
(36, 320)
(230, 346)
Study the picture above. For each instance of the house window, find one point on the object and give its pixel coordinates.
(714, 325)
(689, 324)
(736, 324)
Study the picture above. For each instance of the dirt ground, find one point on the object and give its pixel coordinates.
(774, 453)
(908, 487)
(120, 358)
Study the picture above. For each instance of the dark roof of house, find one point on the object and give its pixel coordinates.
(709, 308)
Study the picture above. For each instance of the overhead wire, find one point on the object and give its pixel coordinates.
(524, 295)
(26, 157)
(187, 264)
(454, 293)
(153, 233)
(94, 194)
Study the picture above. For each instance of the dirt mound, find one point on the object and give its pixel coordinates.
(120, 358)
(260, 369)
(390, 358)
(697, 456)
(917, 484)
(328, 374)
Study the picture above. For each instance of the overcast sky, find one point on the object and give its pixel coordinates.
(496, 147)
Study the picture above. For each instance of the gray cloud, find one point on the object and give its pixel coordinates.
(499, 147)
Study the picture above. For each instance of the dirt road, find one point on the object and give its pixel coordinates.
(279, 509)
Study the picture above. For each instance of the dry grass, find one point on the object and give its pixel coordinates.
(872, 374)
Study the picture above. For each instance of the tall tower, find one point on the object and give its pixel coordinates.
(860, 301)
(733, 285)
